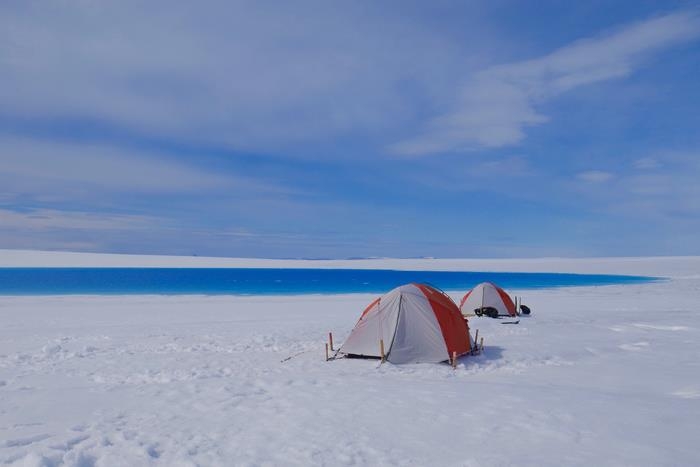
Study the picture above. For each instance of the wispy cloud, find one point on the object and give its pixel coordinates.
(594, 176)
(646, 163)
(668, 193)
(497, 175)
(65, 171)
(35, 162)
(71, 230)
(497, 104)
(237, 72)
(670, 190)
(51, 219)
(82, 230)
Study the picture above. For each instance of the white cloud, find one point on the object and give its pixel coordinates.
(506, 176)
(646, 163)
(59, 171)
(75, 230)
(497, 104)
(594, 176)
(98, 166)
(672, 186)
(51, 219)
(236, 72)
(668, 195)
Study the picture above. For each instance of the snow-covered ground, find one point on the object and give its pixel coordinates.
(670, 266)
(603, 376)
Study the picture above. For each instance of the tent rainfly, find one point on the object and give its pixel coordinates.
(487, 295)
(417, 324)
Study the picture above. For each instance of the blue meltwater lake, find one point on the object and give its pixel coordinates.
(245, 281)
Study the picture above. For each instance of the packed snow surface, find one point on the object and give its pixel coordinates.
(670, 266)
(603, 376)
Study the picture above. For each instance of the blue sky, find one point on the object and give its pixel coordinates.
(351, 129)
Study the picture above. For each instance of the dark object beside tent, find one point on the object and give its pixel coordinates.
(489, 311)
(524, 310)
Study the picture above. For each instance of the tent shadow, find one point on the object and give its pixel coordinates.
(489, 354)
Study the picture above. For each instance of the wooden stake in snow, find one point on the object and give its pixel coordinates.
(381, 350)
(330, 338)
(475, 349)
(326, 351)
(454, 359)
(482, 345)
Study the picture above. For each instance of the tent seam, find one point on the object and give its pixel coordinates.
(396, 326)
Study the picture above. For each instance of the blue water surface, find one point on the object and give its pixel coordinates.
(247, 281)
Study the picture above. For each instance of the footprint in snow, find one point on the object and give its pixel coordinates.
(25, 441)
(69, 444)
(153, 451)
(659, 327)
(636, 346)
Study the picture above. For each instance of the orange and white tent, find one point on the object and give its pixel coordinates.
(487, 295)
(416, 322)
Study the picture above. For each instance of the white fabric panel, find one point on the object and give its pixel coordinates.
(484, 294)
(378, 323)
(418, 335)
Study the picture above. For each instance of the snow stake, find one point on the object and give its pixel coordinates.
(326, 351)
(482, 345)
(330, 338)
(381, 350)
(454, 360)
(476, 339)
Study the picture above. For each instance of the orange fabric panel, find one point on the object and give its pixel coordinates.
(464, 299)
(452, 324)
(369, 307)
(510, 306)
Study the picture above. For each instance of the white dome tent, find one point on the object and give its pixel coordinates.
(487, 295)
(415, 323)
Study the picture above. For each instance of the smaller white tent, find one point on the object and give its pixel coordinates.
(487, 295)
